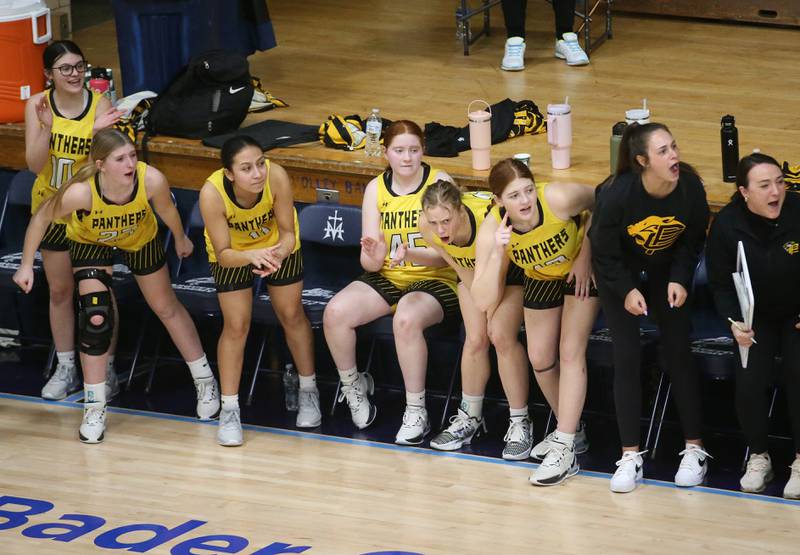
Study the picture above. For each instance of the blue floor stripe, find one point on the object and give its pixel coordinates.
(392, 447)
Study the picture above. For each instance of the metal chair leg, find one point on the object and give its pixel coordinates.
(656, 404)
(257, 367)
(661, 421)
(453, 375)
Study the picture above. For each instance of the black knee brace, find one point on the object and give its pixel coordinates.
(95, 339)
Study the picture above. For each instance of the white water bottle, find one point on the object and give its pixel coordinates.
(374, 124)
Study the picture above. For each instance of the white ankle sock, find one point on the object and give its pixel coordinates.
(472, 405)
(94, 392)
(230, 402)
(415, 399)
(566, 439)
(348, 376)
(200, 368)
(66, 358)
(308, 382)
(518, 414)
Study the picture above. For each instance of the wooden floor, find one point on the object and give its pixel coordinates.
(348, 497)
(402, 57)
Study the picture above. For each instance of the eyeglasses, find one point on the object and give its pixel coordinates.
(67, 69)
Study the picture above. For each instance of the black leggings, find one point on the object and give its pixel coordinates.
(514, 15)
(774, 336)
(674, 325)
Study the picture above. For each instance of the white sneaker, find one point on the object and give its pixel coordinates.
(581, 445)
(93, 426)
(514, 57)
(415, 426)
(361, 410)
(460, 432)
(559, 464)
(207, 398)
(628, 473)
(308, 412)
(569, 49)
(229, 433)
(757, 474)
(112, 383)
(64, 381)
(519, 439)
(792, 489)
(693, 468)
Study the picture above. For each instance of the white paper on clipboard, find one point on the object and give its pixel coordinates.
(744, 292)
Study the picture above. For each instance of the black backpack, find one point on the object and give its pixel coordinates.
(211, 96)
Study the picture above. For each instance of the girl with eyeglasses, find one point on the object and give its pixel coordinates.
(59, 125)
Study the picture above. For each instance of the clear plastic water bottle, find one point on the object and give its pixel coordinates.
(374, 124)
(291, 386)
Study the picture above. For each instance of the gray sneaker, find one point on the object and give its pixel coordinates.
(539, 452)
(462, 429)
(64, 381)
(519, 439)
(229, 433)
(308, 412)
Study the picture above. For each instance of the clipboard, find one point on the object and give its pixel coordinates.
(744, 293)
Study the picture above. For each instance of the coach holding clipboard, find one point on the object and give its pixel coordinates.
(765, 220)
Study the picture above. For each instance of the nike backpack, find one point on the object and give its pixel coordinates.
(210, 96)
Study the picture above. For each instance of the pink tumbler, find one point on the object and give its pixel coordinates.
(480, 136)
(559, 134)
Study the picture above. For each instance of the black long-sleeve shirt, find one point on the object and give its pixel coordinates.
(634, 231)
(772, 249)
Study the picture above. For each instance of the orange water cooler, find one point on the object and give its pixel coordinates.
(24, 33)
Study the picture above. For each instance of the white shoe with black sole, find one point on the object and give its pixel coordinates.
(415, 426)
(559, 464)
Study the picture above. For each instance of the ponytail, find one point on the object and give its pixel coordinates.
(634, 143)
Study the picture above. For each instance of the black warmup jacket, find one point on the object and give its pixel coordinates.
(772, 249)
(634, 232)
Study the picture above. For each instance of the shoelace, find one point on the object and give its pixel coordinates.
(517, 431)
(514, 49)
(573, 46)
(229, 418)
(62, 373)
(758, 464)
(413, 416)
(307, 397)
(695, 451)
(629, 457)
(352, 393)
(458, 423)
(556, 454)
(94, 415)
(205, 389)
(795, 466)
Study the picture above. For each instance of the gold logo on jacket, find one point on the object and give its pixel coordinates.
(791, 247)
(655, 233)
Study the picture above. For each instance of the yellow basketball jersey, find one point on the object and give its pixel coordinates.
(400, 224)
(70, 140)
(548, 250)
(128, 226)
(249, 228)
(478, 204)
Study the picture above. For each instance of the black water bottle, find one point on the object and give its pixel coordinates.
(729, 136)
